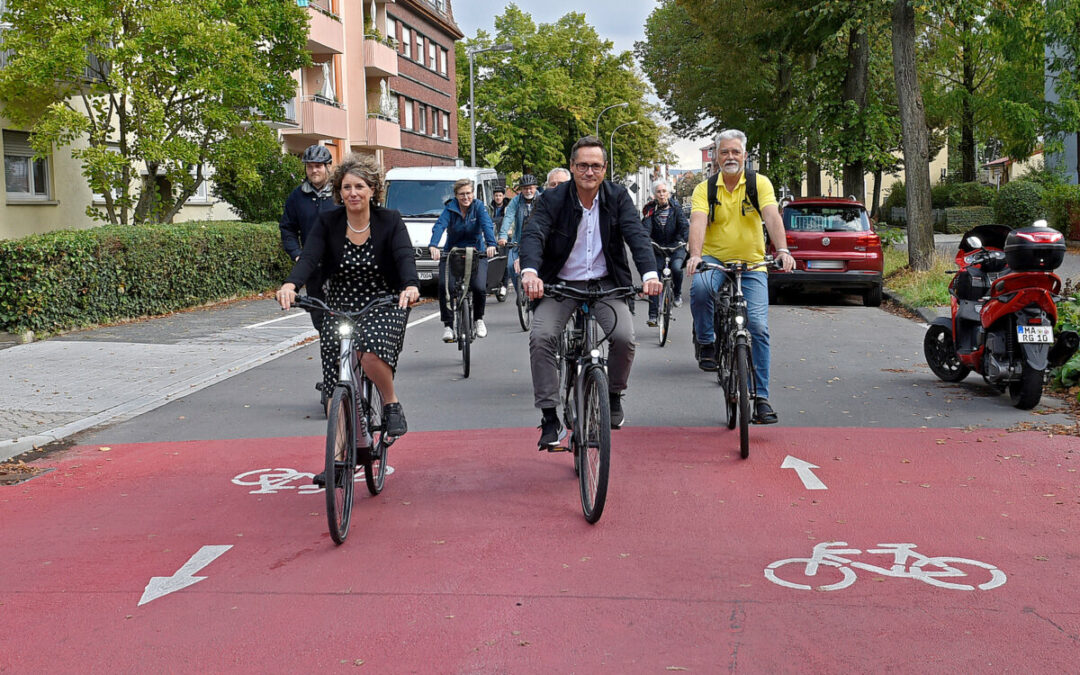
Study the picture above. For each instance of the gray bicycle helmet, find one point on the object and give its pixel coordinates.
(527, 180)
(316, 154)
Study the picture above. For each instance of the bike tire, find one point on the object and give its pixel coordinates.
(375, 463)
(595, 440)
(465, 335)
(1026, 392)
(340, 464)
(742, 374)
(665, 312)
(524, 307)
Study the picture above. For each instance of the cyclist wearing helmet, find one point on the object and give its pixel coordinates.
(517, 214)
(302, 208)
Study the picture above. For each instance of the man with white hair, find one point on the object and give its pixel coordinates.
(555, 177)
(725, 226)
(667, 226)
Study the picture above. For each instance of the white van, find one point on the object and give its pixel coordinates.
(420, 194)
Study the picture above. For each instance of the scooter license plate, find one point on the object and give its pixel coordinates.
(1035, 334)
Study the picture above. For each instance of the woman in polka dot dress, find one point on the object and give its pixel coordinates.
(365, 252)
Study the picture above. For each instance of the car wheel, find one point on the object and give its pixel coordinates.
(872, 297)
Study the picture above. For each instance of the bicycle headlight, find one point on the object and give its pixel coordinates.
(345, 329)
(739, 321)
(595, 353)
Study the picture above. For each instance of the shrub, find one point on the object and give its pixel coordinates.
(1019, 203)
(256, 194)
(1068, 375)
(1062, 203)
(941, 196)
(960, 219)
(972, 194)
(897, 197)
(1044, 176)
(72, 278)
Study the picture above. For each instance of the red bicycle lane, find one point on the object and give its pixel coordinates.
(476, 557)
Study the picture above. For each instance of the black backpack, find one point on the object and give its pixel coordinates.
(751, 191)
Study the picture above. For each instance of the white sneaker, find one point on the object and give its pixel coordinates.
(678, 302)
(481, 328)
(448, 334)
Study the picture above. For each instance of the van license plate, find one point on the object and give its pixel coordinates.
(425, 276)
(1035, 334)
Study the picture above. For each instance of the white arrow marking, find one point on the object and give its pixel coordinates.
(802, 469)
(184, 576)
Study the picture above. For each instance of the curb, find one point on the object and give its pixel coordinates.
(119, 413)
(926, 314)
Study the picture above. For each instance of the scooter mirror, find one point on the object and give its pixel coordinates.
(1040, 223)
(974, 242)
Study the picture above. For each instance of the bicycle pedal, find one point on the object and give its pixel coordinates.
(556, 448)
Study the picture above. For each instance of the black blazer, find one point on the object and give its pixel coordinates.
(552, 229)
(326, 244)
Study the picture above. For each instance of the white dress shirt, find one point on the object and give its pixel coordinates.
(586, 259)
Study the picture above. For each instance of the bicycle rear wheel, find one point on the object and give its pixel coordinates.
(340, 462)
(742, 370)
(665, 311)
(524, 307)
(375, 464)
(465, 333)
(595, 439)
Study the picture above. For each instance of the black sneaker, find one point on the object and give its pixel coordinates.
(551, 432)
(617, 415)
(319, 479)
(707, 358)
(763, 412)
(394, 417)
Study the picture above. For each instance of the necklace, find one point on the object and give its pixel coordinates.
(358, 231)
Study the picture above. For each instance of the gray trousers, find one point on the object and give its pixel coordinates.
(549, 319)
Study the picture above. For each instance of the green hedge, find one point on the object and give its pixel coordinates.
(1062, 204)
(1019, 203)
(960, 219)
(73, 278)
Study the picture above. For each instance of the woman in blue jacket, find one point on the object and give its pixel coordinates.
(467, 224)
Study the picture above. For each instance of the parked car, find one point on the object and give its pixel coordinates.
(835, 249)
(420, 193)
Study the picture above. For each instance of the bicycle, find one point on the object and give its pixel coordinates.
(524, 305)
(735, 373)
(355, 428)
(667, 295)
(464, 263)
(582, 364)
(924, 568)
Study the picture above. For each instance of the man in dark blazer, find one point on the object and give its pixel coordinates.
(577, 235)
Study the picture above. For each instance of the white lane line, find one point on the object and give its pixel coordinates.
(429, 317)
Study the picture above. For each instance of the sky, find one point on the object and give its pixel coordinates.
(621, 21)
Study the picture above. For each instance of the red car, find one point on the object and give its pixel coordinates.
(834, 247)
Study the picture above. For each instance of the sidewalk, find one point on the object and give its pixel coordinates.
(55, 388)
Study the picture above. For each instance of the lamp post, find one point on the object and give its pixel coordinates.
(472, 103)
(611, 145)
(617, 105)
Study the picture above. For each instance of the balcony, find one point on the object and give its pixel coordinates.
(326, 35)
(320, 120)
(380, 60)
(383, 134)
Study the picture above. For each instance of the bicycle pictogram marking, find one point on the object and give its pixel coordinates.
(271, 481)
(906, 564)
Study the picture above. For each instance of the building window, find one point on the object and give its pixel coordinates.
(201, 194)
(433, 55)
(406, 42)
(419, 47)
(24, 176)
(446, 125)
(391, 28)
(408, 114)
(435, 118)
(442, 61)
(423, 119)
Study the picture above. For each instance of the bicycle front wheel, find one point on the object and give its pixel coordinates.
(340, 462)
(595, 448)
(375, 463)
(742, 371)
(465, 334)
(665, 311)
(524, 307)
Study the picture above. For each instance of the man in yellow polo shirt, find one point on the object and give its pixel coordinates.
(734, 234)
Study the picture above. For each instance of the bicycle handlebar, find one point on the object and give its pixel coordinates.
(737, 265)
(310, 304)
(669, 249)
(570, 293)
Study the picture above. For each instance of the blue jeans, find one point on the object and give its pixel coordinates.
(755, 287)
(510, 278)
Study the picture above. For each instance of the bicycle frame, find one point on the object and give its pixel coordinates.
(731, 323)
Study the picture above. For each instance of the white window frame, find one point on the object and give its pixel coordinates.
(99, 197)
(408, 114)
(419, 52)
(422, 119)
(433, 55)
(446, 125)
(442, 60)
(28, 160)
(391, 28)
(406, 42)
(202, 193)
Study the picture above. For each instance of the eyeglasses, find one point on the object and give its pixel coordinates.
(586, 168)
(463, 194)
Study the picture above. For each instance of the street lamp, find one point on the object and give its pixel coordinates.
(617, 105)
(472, 103)
(611, 145)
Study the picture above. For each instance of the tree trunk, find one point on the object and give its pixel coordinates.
(967, 110)
(855, 84)
(813, 143)
(875, 207)
(920, 228)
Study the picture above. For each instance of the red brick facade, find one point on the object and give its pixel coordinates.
(426, 85)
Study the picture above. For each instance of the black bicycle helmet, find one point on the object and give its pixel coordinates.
(316, 154)
(527, 180)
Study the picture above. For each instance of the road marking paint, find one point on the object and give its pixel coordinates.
(803, 471)
(429, 317)
(184, 577)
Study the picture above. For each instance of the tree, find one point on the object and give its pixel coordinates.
(1063, 65)
(535, 102)
(684, 187)
(255, 175)
(155, 87)
(916, 144)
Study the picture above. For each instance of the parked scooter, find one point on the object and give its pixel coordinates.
(1003, 312)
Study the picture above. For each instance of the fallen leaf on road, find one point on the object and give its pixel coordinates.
(104, 448)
